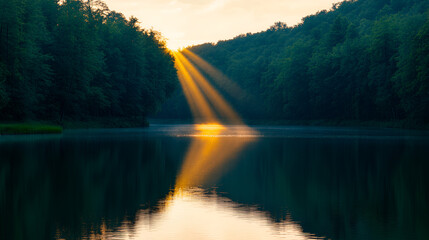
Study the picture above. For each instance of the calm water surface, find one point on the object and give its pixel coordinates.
(182, 182)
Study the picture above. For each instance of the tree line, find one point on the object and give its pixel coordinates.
(75, 60)
(363, 60)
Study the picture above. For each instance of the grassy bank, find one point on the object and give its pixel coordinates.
(54, 128)
(29, 128)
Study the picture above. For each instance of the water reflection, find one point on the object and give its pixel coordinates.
(197, 214)
(304, 182)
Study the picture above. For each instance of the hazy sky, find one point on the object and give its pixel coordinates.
(188, 22)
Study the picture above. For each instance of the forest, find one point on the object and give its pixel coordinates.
(361, 61)
(75, 60)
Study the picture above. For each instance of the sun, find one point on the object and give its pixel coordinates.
(174, 45)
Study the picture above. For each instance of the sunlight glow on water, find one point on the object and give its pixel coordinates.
(209, 130)
(214, 130)
(209, 127)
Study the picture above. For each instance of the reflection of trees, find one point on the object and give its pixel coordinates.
(338, 188)
(73, 188)
(341, 189)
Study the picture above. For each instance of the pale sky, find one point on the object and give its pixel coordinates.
(188, 22)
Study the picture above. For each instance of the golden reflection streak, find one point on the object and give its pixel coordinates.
(224, 82)
(222, 107)
(198, 104)
(208, 154)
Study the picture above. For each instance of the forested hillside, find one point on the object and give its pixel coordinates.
(75, 60)
(364, 60)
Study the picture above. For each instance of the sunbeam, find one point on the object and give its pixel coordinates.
(200, 108)
(224, 82)
(218, 102)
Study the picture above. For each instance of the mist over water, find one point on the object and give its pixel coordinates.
(284, 183)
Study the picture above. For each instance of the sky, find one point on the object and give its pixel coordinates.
(189, 22)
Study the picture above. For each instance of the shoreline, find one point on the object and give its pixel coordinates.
(30, 128)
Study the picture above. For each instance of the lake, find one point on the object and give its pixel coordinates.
(216, 182)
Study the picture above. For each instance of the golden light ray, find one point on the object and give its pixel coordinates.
(222, 80)
(199, 106)
(187, 91)
(222, 107)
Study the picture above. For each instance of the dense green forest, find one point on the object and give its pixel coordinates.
(74, 60)
(363, 60)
